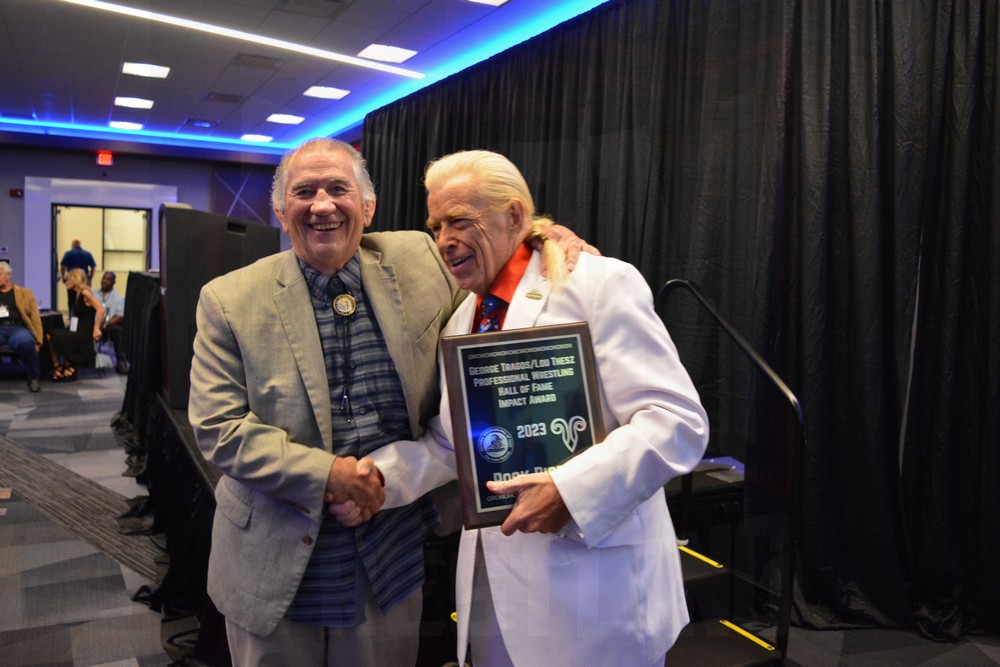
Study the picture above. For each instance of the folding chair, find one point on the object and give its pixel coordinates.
(102, 360)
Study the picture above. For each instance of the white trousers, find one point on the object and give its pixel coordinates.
(488, 647)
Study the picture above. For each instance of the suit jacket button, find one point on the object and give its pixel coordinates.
(307, 540)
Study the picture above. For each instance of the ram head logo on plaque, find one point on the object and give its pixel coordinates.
(569, 430)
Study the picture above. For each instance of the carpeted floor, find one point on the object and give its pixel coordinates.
(83, 507)
(67, 577)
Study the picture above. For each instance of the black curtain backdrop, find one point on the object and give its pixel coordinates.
(827, 172)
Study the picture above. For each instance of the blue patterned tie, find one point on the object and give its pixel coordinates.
(491, 315)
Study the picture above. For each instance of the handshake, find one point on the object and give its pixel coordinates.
(355, 490)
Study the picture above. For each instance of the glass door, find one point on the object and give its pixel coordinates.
(118, 238)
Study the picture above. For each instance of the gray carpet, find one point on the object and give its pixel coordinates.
(63, 604)
(81, 506)
(67, 576)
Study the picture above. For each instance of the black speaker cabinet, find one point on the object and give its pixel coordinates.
(195, 247)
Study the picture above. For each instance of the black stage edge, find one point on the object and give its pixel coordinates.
(181, 502)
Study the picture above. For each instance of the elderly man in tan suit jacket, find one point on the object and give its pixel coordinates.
(20, 324)
(303, 363)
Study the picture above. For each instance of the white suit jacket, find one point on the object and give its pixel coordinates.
(608, 589)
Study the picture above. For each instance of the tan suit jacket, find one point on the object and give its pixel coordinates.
(260, 407)
(24, 298)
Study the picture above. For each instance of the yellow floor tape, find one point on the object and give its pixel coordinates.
(692, 552)
(748, 635)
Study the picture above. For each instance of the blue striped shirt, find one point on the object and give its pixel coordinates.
(388, 550)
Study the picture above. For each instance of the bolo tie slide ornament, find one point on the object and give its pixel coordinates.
(344, 305)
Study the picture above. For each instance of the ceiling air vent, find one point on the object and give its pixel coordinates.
(224, 97)
(256, 62)
(326, 9)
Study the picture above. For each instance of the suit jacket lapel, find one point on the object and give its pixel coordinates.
(461, 320)
(530, 297)
(382, 292)
(523, 310)
(294, 307)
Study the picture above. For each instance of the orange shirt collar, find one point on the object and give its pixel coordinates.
(505, 284)
(510, 275)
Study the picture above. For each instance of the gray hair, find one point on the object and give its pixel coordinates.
(5, 268)
(323, 144)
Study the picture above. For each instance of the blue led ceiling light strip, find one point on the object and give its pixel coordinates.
(529, 23)
(532, 26)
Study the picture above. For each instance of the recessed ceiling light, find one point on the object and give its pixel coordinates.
(222, 31)
(495, 3)
(125, 125)
(145, 69)
(385, 53)
(133, 103)
(285, 119)
(327, 93)
(257, 138)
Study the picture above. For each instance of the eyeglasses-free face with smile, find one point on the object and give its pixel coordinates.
(325, 213)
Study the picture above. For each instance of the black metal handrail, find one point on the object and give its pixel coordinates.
(785, 602)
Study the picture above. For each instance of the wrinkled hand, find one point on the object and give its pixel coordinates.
(571, 244)
(538, 509)
(353, 493)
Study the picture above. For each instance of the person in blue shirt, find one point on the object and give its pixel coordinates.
(76, 258)
(114, 316)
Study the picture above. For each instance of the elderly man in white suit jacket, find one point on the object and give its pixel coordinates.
(585, 570)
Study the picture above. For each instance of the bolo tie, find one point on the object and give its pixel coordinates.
(344, 306)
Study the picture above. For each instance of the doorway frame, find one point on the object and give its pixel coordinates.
(102, 264)
(39, 195)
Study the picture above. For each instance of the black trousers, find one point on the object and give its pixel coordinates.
(116, 335)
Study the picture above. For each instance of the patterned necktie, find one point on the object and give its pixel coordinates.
(491, 315)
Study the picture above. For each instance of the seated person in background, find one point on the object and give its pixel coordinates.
(114, 315)
(74, 345)
(585, 570)
(20, 323)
